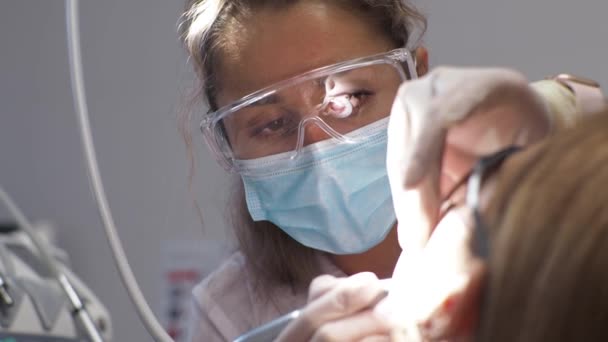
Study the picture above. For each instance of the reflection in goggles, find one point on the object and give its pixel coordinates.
(339, 107)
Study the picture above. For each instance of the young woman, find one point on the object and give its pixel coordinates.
(299, 95)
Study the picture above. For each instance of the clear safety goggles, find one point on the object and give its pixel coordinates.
(335, 99)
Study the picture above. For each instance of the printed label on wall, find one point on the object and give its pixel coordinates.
(185, 263)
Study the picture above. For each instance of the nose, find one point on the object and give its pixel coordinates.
(313, 133)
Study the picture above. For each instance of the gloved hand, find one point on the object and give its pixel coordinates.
(441, 124)
(340, 309)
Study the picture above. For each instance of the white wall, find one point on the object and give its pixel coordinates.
(135, 73)
(538, 37)
(134, 69)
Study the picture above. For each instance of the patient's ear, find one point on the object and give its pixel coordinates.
(435, 291)
(457, 317)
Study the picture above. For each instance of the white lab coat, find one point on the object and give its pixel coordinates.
(226, 305)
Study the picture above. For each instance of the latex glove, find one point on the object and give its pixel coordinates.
(440, 125)
(340, 309)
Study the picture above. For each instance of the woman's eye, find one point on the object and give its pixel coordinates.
(358, 98)
(273, 127)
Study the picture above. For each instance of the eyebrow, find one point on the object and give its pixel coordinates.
(270, 99)
(253, 120)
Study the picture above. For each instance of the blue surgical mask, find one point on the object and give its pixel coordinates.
(333, 197)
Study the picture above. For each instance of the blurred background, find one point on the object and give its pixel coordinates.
(138, 84)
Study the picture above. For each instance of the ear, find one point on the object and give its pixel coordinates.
(457, 317)
(422, 61)
(441, 283)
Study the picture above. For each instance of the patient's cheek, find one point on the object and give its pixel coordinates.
(448, 246)
(426, 279)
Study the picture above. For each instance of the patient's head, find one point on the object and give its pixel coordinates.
(548, 227)
(545, 277)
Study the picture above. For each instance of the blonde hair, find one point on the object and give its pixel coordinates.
(548, 277)
(271, 254)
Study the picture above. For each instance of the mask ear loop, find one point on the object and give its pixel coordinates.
(315, 119)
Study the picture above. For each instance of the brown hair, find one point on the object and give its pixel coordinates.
(272, 255)
(548, 267)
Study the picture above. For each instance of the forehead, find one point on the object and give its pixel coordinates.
(275, 44)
